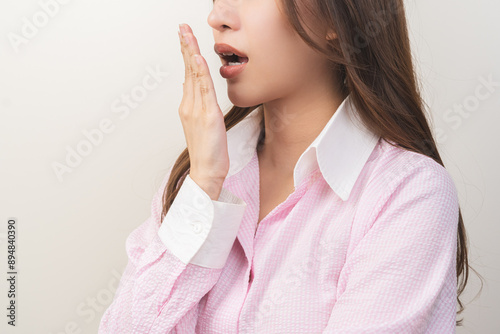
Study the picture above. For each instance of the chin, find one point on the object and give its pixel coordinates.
(240, 98)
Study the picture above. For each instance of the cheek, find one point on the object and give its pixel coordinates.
(268, 32)
(284, 64)
(278, 52)
(279, 59)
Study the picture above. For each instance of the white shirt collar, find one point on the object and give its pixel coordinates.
(340, 150)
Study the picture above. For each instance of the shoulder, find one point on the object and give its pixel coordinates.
(396, 166)
(402, 178)
(407, 190)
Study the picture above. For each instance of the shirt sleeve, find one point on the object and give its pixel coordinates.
(199, 230)
(171, 266)
(401, 276)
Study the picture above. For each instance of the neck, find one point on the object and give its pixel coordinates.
(292, 124)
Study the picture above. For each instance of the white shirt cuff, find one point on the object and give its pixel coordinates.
(200, 230)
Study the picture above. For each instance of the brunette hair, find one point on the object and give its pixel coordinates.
(371, 56)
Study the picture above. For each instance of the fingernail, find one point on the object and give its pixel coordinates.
(182, 28)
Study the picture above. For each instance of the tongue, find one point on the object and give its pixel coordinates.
(242, 59)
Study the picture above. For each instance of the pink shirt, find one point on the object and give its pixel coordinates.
(366, 243)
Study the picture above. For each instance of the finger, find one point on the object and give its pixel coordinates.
(199, 107)
(190, 46)
(206, 88)
(193, 41)
(187, 85)
(184, 61)
(200, 78)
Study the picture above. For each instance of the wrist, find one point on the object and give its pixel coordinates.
(211, 186)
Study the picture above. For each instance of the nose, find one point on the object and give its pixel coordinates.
(224, 15)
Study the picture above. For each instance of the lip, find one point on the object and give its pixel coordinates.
(221, 48)
(227, 71)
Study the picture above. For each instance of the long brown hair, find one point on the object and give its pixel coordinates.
(371, 55)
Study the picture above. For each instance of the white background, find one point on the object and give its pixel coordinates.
(69, 74)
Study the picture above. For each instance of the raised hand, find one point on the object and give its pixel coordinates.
(202, 119)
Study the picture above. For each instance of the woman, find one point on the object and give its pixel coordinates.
(318, 204)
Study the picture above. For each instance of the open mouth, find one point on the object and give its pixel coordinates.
(232, 59)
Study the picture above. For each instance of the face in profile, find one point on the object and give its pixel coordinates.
(280, 63)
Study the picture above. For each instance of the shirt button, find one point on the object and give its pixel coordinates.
(196, 226)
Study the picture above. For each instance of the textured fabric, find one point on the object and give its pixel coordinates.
(201, 231)
(366, 243)
(196, 228)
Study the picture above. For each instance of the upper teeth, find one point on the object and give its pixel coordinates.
(228, 54)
